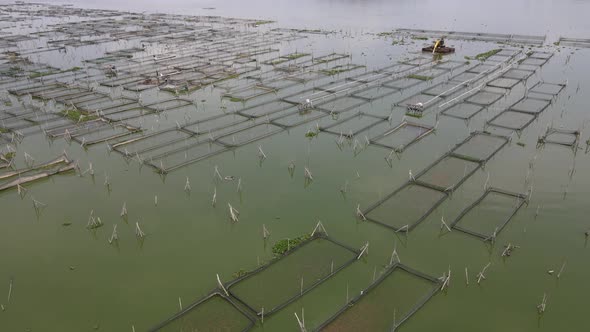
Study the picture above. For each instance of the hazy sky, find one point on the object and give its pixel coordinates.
(555, 17)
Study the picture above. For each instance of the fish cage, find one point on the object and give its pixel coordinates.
(214, 312)
(560, 136)
(574, 42)
(489, 214)
(387, 303)
(512, 120)
(463, 111)
(475, 36)
(16, 178)
(298, 268)
(531, 105)
(447, 173)
(406, 207)
(352, 125)
(402, 136)
(479, 146)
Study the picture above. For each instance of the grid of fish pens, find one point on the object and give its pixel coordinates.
(16, 178)
(523, 112)
(298, 266)
(424, 192)
(210, 136)
(387, 303)
(479, 36)
(574, 42)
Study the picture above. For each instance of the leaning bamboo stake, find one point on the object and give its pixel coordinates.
(9, 290)
(364, 250)
(301, 323)
(307, 174)
(38, 205)
(403, 229)
(301, 286)
(107, 181)
(394, 257)
(446, 280)
(138, 231)
(123, 210)
(22, 191)
(233, 213)
(444, 224)
(221, 286)
(187, 185)
(541, 307)
(261, 153)
(481, 274)
(359, 213)
(561, 270)
(180, 303)
(319, 227)
(214, 200)
(29, 160)
(114, 236)
(265, 232)
(466, 277)
(89, 170)
(216, 174)
(344, 188)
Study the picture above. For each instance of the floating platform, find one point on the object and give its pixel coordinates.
(440, 50)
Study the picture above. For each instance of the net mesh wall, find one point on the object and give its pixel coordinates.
(447, 173)
(12, 179)
(184, 156)
(463, 111)
(352, 125)
(215, 312)
(387, 303)
(559, 136)
(512, 120)
(488, 215)
(479, 146)
(531, 105)
(406, 207)
(285, 279)
(574, 42)
(548, 88)
(504, 83)
(249, 135)
(402, 136)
